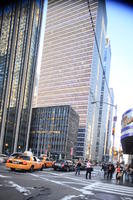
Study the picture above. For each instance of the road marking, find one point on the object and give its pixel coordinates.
(19, 188)
(110, 188)
(1, 176)
(83, 191)
(75, 183)
(126, 198)
(93, 186)
(69, 197)
(68, 177)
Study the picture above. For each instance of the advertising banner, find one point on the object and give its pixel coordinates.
(127, 124)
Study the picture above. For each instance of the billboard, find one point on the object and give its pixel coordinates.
(127, 131)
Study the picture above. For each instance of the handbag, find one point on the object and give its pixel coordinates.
(91, 169)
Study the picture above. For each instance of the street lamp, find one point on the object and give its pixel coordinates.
(114, 121)
(93, 102)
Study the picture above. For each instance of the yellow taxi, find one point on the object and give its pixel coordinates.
(47, 162)
(24, 162)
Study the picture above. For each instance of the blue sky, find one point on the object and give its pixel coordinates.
(120, 32)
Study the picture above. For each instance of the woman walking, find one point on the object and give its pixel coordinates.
(78, 166)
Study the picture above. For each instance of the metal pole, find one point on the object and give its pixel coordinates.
(38, 144)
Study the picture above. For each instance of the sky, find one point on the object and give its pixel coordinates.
(120, 33)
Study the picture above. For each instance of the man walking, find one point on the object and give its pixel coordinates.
(111, 170)
(89, 169)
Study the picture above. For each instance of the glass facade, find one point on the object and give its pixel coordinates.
(54, 130)
(20, 23)
(103, 117)
(70, 67)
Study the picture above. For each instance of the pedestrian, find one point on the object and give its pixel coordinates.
(105, 169)
(89, 169)
(77, 168)
(131, 172)
(118, 169)
(127, 172)
(119, 173)
(111, 170)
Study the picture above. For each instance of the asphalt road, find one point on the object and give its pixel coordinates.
(55, 185)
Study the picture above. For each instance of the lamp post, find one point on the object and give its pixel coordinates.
(6, 148)
(71, 151)
(114, 122)
(93, 102)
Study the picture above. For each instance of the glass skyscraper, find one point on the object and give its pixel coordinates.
(20, 23)
(103, 116)
(71, 67)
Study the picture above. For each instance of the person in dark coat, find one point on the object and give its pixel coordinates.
(77, 169)
(111, 170)
(105, 169)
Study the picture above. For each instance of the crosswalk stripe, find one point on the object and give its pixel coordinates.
(114, 189)
(117, 186)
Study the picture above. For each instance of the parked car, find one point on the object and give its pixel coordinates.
(64, 165)
(83, 165)
(47, 162)
(3, 158)
(24, 162)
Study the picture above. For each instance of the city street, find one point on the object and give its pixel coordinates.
(55, 185)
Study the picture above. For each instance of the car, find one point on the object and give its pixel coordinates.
(3, 158)
(15, 154)
(47, 162)
(83, 165)
(24, 162)
(64, 165)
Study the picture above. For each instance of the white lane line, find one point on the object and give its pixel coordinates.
(129, 190)
(2, 176)
(19, 188)
(113, 189)
(71, 178)
(69, 197)
(63, 184)
(75, 183)
(116, 186)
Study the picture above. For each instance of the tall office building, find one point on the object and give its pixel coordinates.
(20, 23)
(106, 99)
(108, 136)
(54, 131)
(71, 66)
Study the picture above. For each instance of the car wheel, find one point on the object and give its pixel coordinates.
(45, 166)
(32, 168)
(12, 169)
(42, 168)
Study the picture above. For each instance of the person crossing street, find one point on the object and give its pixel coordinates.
(89, 169)
(77, 169)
